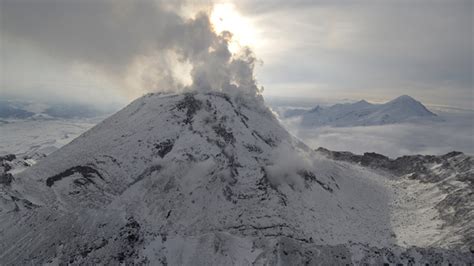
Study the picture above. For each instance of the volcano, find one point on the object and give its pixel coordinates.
(199, 178)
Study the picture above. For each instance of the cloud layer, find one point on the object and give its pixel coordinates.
(454, 133)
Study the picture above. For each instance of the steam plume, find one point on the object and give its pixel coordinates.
(119, 37)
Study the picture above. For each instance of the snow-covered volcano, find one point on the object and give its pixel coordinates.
(198, 179)
(363, 113)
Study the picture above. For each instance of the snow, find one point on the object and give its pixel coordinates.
(362, 113)
(416, 221)
(430, 196)
(394, 140)
(27, 137)
(198, 178)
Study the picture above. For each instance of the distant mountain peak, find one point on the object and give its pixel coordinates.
(405, 99)
(410, 106)
(363, 101)
(317, 108)
(362, 113)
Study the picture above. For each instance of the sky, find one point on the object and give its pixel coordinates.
(110, 52)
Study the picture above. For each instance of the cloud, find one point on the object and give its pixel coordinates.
(286, 163)
(362, 49)
(455, 133)
(366, 49)
(137, 45)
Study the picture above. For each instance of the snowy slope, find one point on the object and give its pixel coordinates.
(434, 203)
(29, 138)
(198, 179)
(362, 113)
(19, 109)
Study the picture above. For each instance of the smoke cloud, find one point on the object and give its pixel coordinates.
(142, 45)
(287, 162)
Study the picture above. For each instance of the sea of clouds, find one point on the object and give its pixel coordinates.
(455, 132)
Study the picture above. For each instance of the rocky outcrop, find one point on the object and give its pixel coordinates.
(452, 174)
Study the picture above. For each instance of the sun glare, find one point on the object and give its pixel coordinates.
(225, 17)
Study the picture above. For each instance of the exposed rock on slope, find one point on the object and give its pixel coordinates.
(11, 164)
(446, 180)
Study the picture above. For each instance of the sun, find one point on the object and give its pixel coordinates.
(225, 17)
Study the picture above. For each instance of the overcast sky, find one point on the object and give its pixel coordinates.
(377, 50)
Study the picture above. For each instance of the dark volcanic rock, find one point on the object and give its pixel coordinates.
(164, 147)
(6, 178)
(8, 157)
(191, 105)
(452, 174)
(86, 171)
(418, 166)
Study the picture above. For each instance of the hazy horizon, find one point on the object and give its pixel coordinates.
(83, 51)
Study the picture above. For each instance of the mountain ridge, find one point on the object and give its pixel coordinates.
(450, 174)
(402, 109)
